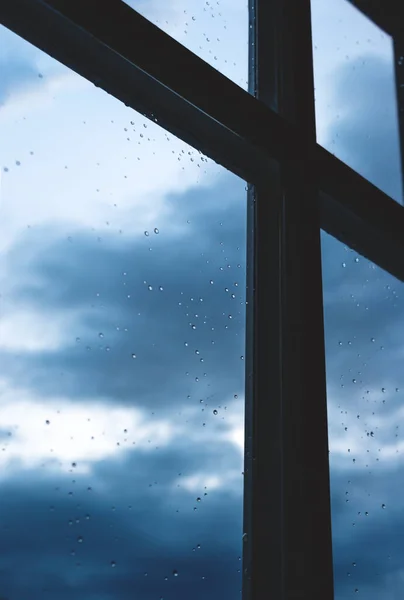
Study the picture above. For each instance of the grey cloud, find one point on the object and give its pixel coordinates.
(144, 530)
(96, 277)
(158, 533)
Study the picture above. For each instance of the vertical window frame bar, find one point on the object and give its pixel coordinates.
(288, 551)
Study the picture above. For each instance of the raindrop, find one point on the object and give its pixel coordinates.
(156, 231)
(133, 356)
(343, 265)
(198, 499)
(175, 573)
(74, 464)
(101, 335)
(113, 563)
(47, 422)
(356, 259)
(146, 233)
(80, 539)
(150, 288)
(383, 506)
(215, 412)
(161, 288)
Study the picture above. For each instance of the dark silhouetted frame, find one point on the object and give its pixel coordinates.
(296, 187)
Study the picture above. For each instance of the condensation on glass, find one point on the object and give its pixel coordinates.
(214, 30)
(364, 333)
(122, 273)
(355, 90)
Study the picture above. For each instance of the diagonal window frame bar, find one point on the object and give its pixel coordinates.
(148, 70)
(269, 140)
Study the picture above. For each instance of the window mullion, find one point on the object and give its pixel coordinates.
(287, 472)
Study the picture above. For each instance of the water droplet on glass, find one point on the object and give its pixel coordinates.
(146, 233)
(47, 422)
(80, 539)
(343, 265)
(161, 288)
(175, 573)
(101, 335)
(156, 231)
(149, 287)
(383, 506)
(113, 563)
(133, 356)
(215, 412)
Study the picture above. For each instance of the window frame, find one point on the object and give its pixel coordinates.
(296, 188)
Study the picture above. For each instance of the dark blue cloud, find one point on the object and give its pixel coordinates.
(364, 321)
(139, 518)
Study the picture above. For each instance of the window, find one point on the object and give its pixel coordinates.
(363, 310)
(296, 188)
(122, 347)
(356, 100)
(216, 31)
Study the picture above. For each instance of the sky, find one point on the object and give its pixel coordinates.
(122, 324)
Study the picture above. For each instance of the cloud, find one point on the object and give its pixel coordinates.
(363, 324)
(155, 432)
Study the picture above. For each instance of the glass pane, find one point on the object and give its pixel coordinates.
(364, 327)
(356, 107)
(121, 348)
(216, 31)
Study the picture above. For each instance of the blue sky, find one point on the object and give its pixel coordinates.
(122, 329)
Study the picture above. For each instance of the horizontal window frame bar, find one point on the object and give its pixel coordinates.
(169, 83)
